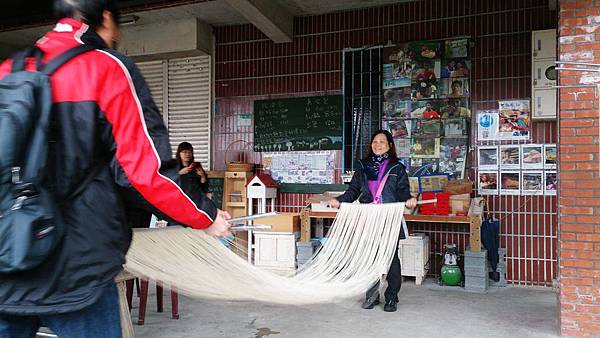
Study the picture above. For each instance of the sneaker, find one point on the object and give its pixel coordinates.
(370, 303)
(390, 306)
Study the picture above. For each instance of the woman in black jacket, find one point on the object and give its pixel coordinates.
(192, 174)
(381, 166)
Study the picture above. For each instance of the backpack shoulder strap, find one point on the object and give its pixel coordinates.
(60, 60)
(19, 59)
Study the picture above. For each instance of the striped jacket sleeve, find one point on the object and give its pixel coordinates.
(142, 162)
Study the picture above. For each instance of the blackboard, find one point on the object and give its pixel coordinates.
(300, 123)
(215, 187)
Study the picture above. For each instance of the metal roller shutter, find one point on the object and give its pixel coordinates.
(181, 90)
(189, 105)
(153, 72)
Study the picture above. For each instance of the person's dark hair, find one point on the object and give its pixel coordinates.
(181, 147)
(391, 153)
(89, 11)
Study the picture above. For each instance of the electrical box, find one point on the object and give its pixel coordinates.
(544, 103)
(543, 75)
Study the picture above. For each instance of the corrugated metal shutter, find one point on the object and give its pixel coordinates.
(189, 104)
(181, 90)
(153, 72)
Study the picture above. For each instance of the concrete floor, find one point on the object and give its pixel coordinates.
(424, 311)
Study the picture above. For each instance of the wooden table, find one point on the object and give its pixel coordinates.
(474, 222)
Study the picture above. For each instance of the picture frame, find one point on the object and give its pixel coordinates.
(487, 182)
(455, 127)
(532, 156)
(487, 157)
(510, 182)
(532, 182)
(510, 157)
(550, 156)
(425, 147)
(550, 182)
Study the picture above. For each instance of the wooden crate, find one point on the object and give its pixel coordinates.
(282, 222)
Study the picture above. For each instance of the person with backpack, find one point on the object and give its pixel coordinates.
(81, 139)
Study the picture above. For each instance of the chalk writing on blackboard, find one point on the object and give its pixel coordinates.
(301, 123)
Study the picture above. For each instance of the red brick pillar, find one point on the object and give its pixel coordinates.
(579, 171)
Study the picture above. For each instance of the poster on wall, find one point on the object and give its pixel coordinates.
(510, 157)
(514, 121)
(550, 183)
(510, 182)
(487, 183)
(532, 183)
(316, 167)
(453, 156)
(532, 156)
(487, 125)
(550, 156)
(487, 157)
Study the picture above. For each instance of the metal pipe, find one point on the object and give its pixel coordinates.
(579, 69)
(251, 217)
(577, 63)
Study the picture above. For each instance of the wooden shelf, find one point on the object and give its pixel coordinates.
(236, 204)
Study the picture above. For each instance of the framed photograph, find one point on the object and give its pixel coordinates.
(454, 108)
(510, 156)
(426, 50)
(422, 147)
(550, 156)
(457, 48)
(432, 183)
(453, 154)
(393, 110)
(487, 182)
(423, 166)
(399, 128)
(402, 148)
(510, 182)
(532, 156)
(457, 88)
(397, 94)
(453, 68)
(532, 183)
(431, 128)
(425, 89)
(487, 157)
(550, 183)
(514, 121)
(455, 127)
(424, 108)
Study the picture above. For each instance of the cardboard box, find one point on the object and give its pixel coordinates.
(282, 222)
(460, 202)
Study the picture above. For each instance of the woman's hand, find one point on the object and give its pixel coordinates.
(411, 203)
(185, 170)
(333, 203)
(200, 172)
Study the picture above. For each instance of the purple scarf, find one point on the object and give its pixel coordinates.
(374, 184)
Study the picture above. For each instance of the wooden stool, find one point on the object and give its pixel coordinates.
(143, 294)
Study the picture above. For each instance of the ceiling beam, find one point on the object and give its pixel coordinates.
(268, 16)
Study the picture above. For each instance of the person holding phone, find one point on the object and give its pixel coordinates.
(192, 174)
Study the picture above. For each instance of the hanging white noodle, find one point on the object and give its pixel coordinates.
(357, 251)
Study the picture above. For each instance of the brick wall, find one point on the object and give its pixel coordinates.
(579, 170)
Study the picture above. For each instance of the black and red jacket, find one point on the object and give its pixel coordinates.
(105, 117)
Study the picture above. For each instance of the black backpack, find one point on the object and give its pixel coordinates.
(29, 228)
